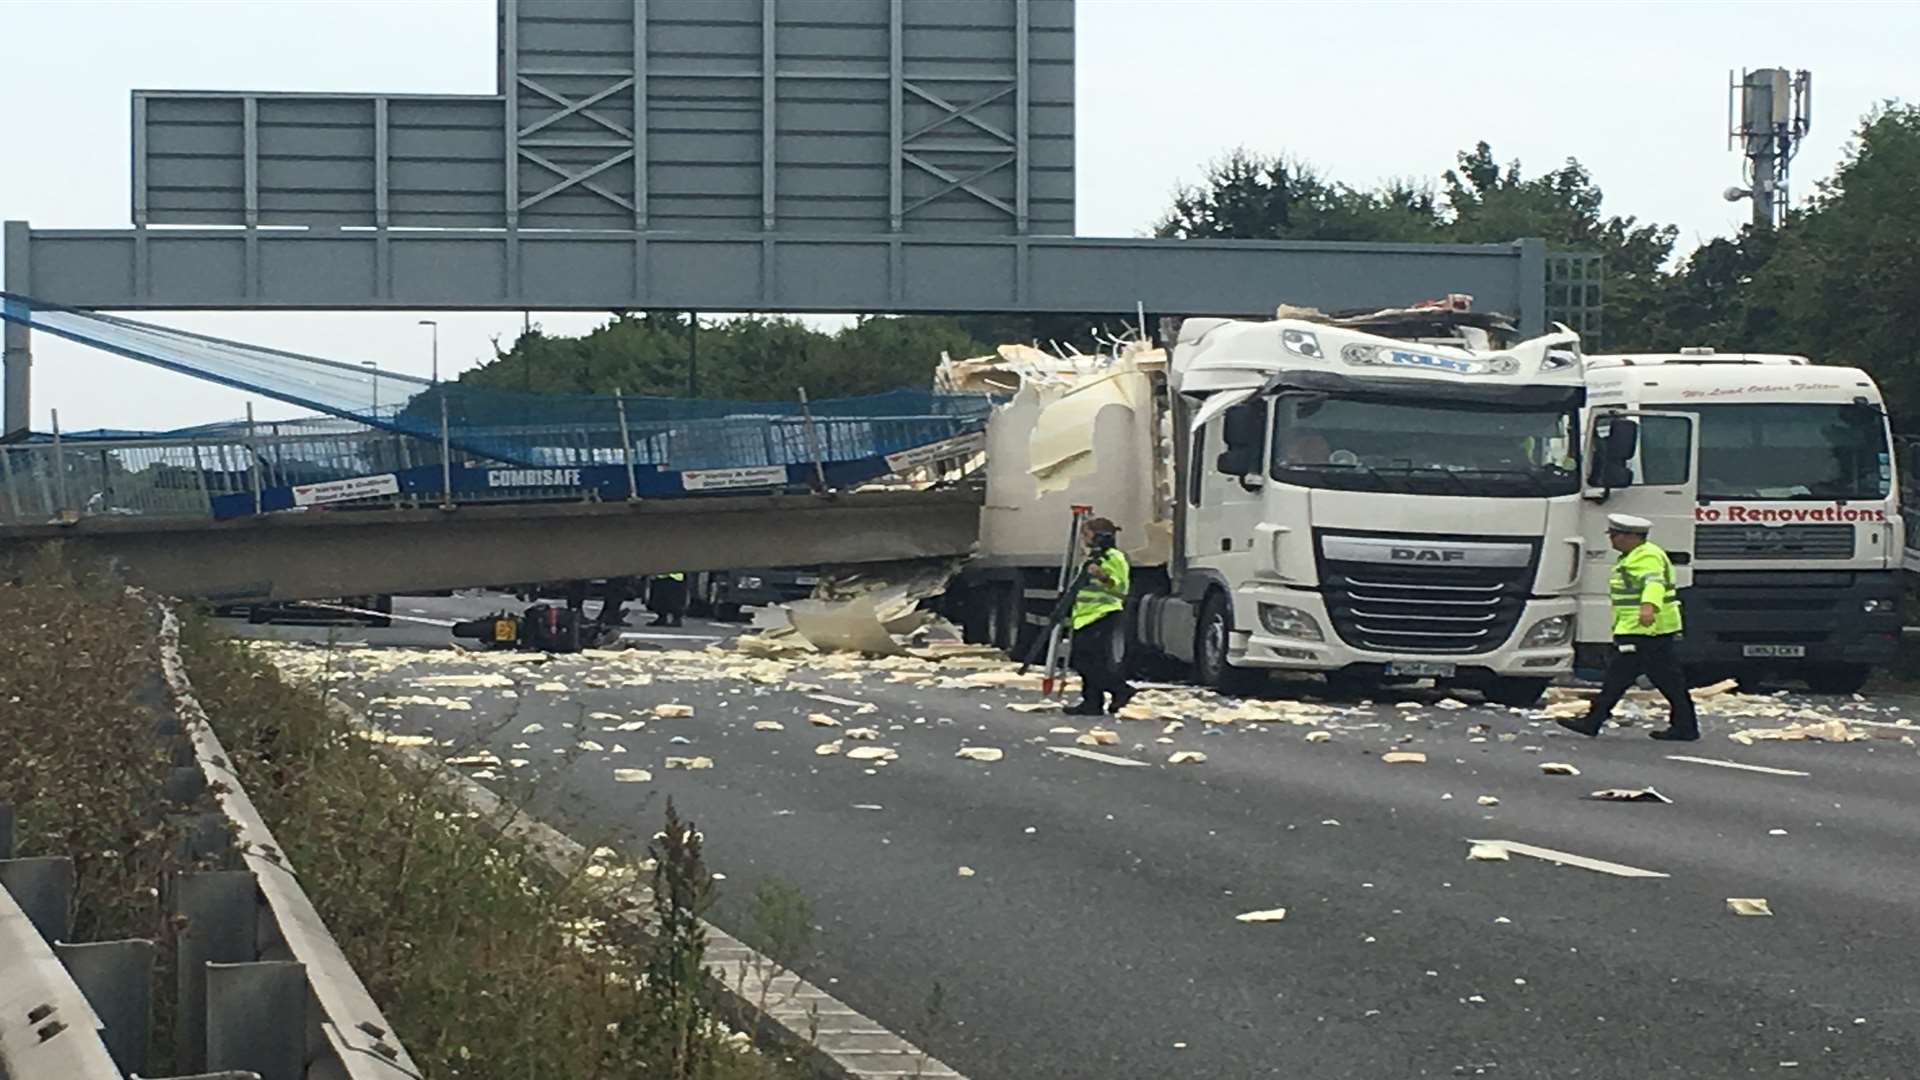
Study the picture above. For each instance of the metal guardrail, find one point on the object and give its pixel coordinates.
(299, 980)
(263, 991)
(188, 474)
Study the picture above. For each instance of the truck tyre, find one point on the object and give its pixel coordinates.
(1838, 678)
(1516, 693)
(730, 613)
(384, 605)
(1210, 665)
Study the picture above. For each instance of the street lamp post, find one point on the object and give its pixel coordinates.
(374, 368)
(436, 346)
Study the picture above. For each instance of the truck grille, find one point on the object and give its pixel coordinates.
(1773, 542)
(1424, 609)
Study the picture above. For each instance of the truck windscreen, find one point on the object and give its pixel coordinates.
(1424, 449)
(1792, 451)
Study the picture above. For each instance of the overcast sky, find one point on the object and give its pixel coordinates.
(1365, 91)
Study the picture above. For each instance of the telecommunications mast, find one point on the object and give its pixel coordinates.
(1768, 112)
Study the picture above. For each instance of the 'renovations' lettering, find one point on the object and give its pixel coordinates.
(1741, 513)
(512, 478)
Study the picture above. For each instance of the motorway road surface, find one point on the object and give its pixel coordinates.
(1097, 935)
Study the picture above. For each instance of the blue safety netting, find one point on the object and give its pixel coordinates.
(525, 429)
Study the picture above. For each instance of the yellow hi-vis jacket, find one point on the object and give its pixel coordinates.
(1644, 576)
(1097, 599)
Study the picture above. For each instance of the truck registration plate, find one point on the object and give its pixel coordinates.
(1425, 668)
(1773, 650)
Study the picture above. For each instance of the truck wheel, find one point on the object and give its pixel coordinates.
(384, 605)
(1516, 693)
(729, 613)
(1838, 678)
(1210, 650)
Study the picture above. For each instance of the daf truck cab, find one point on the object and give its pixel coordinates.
(1798, 542)
(1374, 508)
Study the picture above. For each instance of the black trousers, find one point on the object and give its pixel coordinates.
(1654, 657)
(667, 599)
(1099, 656)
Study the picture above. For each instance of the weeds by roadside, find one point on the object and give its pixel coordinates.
(486, 963)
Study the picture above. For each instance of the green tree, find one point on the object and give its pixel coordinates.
(747, 358)
(1842, 284)
(1252, 196)
(1247, 195)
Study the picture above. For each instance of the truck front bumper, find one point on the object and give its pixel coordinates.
(1254, 646)
(1748, 619)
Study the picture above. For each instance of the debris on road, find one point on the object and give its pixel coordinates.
(862, 733)
(980, 753)
(631, 725)
(631, 776)
(590, 746)
(482, 758)
(769, 725)
(1186, 757)
(1620, 794)
(821, 719)
(1488, 800)
(1098, 737)
(1037, 706)
(391, 739)
(1063, 730)
(1558, 768)
(484, 680)
(1269, 915)
(1748, 905)
(873, 753)
(966, 871)
(1487, 853)
(828, 749)
(1776, 832)
(1319, 736)
(1404, 757)
(689, 763)
(552, 687)
(673, 710)
(1834, 730)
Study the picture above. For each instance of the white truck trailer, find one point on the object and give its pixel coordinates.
(1316, 496)
(1797, 548)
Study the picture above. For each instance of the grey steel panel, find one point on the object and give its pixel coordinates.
(447, 270)
(592, 101)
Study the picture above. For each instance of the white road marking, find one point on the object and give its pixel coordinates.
(1094, 755)
(1564, 859)
(1736, 765)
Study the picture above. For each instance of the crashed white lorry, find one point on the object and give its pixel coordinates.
(1311, 495)
(1797, 544)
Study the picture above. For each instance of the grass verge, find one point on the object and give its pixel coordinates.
(486, 962)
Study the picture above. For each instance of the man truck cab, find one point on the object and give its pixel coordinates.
(1792, 569)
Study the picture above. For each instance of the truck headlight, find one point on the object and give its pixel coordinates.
(1289, 622)
(1554, 630)
(1877, 604)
